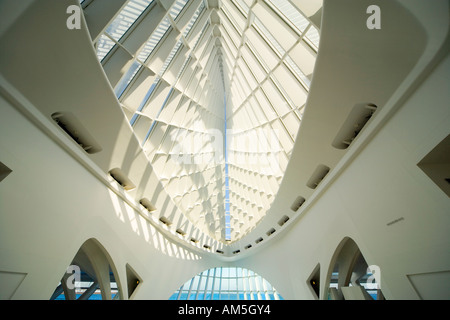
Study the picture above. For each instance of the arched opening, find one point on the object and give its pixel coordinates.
(91, 276)
(226, 283)
(350, 277)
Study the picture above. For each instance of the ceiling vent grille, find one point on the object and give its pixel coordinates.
(73, 127)
(318, 175)
(180, 232)
(166, 221)
(352, 126)
(297, 204)
(122, 179)
(283, 220)
(147, 205)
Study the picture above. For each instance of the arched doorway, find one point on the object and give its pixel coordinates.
(350, 277)
(227, 283)
(91, 276)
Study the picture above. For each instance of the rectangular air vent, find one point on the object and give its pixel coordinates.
(236, 251)
(270, 232)
(122, 179)
(147, 204)
(180, 232)
(73, 127)
(317, 176)
(166, 221)
(283, 220)
(194, 240)
(352, 126)
(220, 251)
(206, 247)
(297, 203)
(259, 240)
(248, 246)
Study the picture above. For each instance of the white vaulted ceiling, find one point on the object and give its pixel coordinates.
(214, 91)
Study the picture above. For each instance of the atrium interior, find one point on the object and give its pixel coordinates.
(224, 149)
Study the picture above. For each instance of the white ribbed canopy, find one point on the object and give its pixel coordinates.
(215, 92)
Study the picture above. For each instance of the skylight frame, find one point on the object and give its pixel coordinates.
(226, 283)
(286, 11)
(177, 7)
(151, 4)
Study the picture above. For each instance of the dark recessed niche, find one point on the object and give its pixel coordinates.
(133, 281)
(436, 165)
(75, 130)
(180, 232)
(314, 281)
(297, 203)
(270, 232)
(147, 205)
(318, 175)
(4, 171)
(259, 240)
(283, 220)
(354, 124)
(166, 221)
(122, 179)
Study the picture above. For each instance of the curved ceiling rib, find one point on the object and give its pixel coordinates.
(173, 64)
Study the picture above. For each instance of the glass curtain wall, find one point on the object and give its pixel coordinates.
(227, 283)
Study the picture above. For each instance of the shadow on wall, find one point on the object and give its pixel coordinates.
(143, 228)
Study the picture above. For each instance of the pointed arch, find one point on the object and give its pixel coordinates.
(227, 283)
(349, 277)
(91, 275)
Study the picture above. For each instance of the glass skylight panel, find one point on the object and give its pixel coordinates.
(144, 101)
(227, 283)
(313, 36)
(270, 38)
(183, 67)
(170, 57)
(104, 45)
(194, 19)
(156, 37)
(292, 14)
(293, 66)
(200, 35)
(121, 24)
(127, 17)
(177, 8)
(126, 79)
(242, 6)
